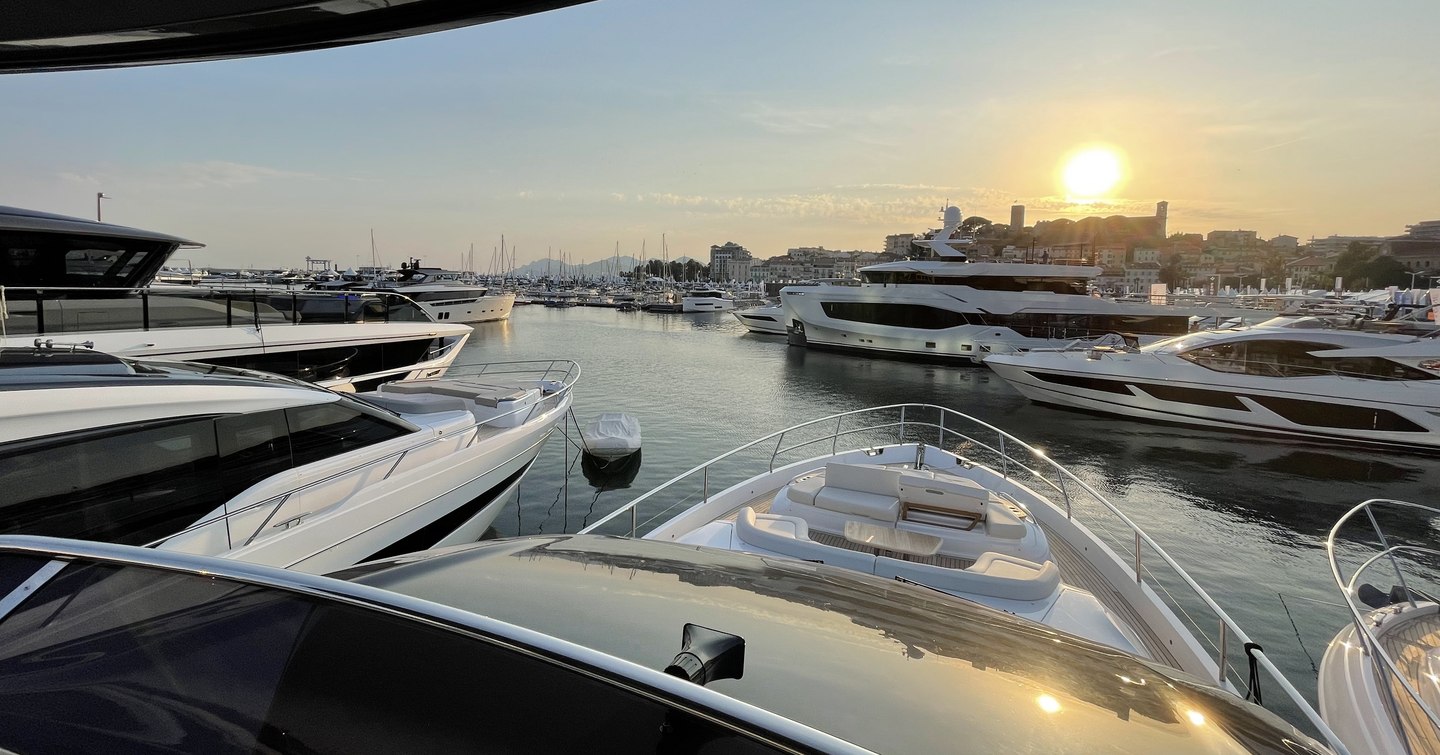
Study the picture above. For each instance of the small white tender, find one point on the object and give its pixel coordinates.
(612, 435)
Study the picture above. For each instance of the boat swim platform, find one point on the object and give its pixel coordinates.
(1409, 646)
(1075, 571)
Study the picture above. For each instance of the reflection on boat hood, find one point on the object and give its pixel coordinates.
(889, 666)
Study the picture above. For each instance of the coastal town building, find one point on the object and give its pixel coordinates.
(730, 262)
(1418, 248)
(898, 244)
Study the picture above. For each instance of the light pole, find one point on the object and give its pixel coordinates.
(98, 196)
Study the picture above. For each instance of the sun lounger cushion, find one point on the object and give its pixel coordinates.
(885, 508)
(804, 490)
(947, 493)
(864, 478)
(1001, 522)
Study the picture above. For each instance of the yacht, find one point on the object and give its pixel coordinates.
(447, 297)
(1379, 688)
(947, 308)
(769, 320)
(706, 300)
(112, 648)
(259, 467)
(970, 523)
(80, 281)
(1300, 377)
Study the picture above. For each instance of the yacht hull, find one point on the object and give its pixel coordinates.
(454, 500)
(963, 324)
(767, 320)
(471, 310)
(1321, 407)
(382, 351)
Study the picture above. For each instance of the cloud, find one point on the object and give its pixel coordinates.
(227, 174)
(82, 179)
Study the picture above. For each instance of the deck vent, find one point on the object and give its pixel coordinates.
(707, 655)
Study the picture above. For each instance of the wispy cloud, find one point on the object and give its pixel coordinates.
(227, 174)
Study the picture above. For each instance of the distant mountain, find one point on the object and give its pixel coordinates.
(608, 266)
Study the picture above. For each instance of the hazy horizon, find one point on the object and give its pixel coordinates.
(773, 126)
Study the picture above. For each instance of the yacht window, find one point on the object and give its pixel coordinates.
(1223, 357)
(131, 659)
(252, 447)
(896, 315)
(133, 484)
(320, 431)
(31, 260)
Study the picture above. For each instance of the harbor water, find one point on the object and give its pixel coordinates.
(1246, 515)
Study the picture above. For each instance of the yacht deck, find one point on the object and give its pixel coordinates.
(1409, 646)
(1075, 571)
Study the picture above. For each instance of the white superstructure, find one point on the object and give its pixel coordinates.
(79, 281)
(948, 308)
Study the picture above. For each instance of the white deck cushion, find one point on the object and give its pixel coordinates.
(948, 493)
(885, 508)
(864, 478)
(755, 530)
(1001, 522)
(993, 575)
(416, 403)
(804, 490)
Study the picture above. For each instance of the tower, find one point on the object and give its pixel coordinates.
(1017, 218)
(1162, 211)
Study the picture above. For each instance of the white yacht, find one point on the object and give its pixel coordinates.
(1300, 377)
(948, 308)
(1380, 677)
(574, 644)
(73, 280)
(253, 466)
(447, 297)
(706, 300)
(769, 320)
(972, 523)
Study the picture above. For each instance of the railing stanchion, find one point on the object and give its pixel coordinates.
(144, 310)
(1137, 555)
(901, 439)
(705, 481)
(1385, 545)
(632, 521)
(834, 439)
(229, 310)
(1004, 459)
(1220, 660)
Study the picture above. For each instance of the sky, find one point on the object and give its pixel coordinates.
(769, 123)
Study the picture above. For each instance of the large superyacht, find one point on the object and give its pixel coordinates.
(946, 307)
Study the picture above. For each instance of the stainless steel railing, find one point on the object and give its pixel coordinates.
(51, 310)
(1391, 553)
(978, 442)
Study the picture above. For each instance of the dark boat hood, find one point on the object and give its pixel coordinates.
(56, 35)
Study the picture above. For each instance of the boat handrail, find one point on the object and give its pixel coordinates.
(1385, 666)
(566, 382)
(242, 307)
(1004, 447)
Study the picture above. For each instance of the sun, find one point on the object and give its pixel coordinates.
(1092, 172)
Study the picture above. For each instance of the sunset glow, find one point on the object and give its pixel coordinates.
(1092, 173)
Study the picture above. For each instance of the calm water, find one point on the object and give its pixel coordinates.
(1246, 516)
